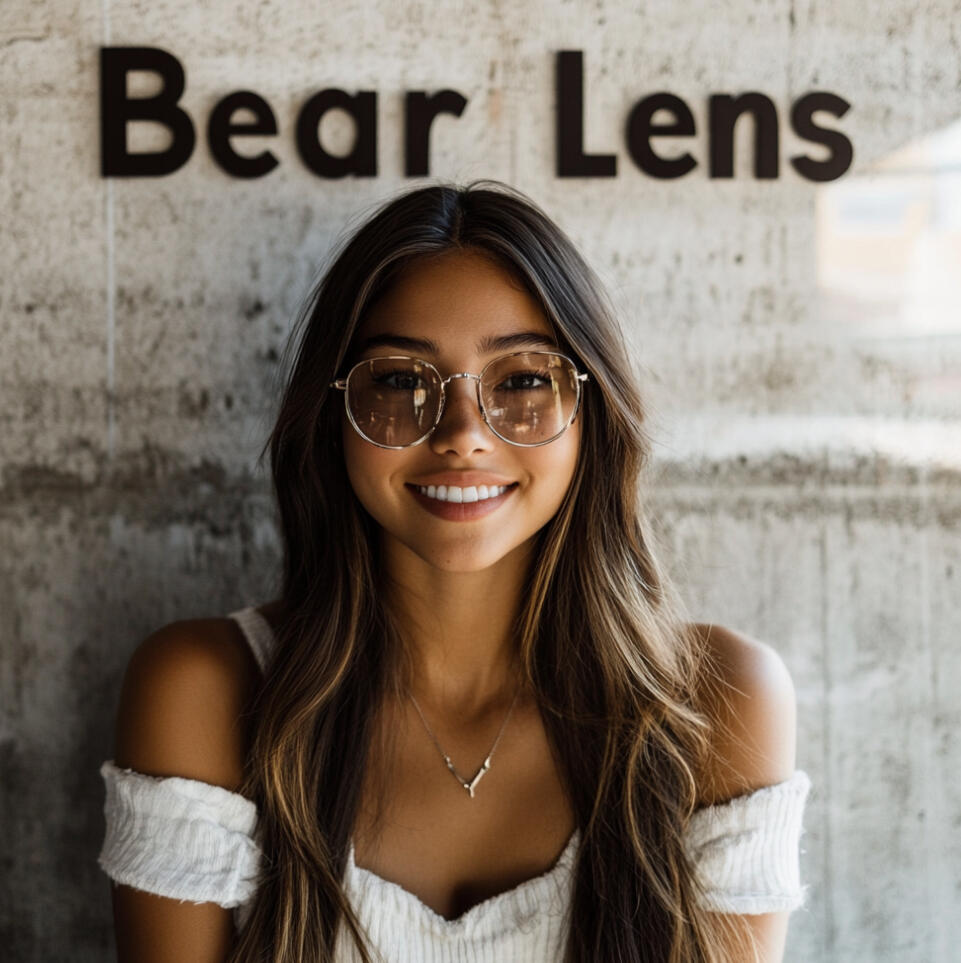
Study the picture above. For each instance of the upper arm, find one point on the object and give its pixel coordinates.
(753, 710)
(182, 713)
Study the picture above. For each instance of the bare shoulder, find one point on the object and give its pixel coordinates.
(184, 703)
(750, 700)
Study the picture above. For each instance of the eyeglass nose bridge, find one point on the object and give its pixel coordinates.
(457, 375)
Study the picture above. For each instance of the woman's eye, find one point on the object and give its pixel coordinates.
(400, 380)
(525, 381)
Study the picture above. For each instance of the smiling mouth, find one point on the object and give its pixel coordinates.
(455, 504)
(457, 495)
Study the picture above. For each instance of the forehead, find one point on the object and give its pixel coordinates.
(455, 296)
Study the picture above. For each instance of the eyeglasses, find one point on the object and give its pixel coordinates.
(528, 398)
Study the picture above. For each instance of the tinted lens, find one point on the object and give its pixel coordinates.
(393, 401)
(530, 397)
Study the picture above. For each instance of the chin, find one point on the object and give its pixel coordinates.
(463, 562)
(468, 555)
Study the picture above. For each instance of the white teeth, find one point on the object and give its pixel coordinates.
(451, 493)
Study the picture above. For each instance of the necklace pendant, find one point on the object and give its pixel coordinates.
(480, 773)
(472, 785)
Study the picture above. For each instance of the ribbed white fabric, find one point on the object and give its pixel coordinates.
(189, 840)
(179, 837)
(526, 924)
(746, 851)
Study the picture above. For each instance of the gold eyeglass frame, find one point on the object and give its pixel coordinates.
(341, 385)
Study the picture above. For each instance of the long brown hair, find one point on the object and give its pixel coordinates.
(615, 666)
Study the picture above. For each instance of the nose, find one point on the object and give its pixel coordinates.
(461, 429)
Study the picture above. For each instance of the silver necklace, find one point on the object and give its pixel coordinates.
(469, 786)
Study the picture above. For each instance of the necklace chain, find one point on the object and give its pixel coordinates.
(469, 786)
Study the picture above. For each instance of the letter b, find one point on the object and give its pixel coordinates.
(117, 109)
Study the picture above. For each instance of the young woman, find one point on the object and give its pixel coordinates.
(475, 725)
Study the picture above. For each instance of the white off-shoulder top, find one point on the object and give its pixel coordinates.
(189, 840)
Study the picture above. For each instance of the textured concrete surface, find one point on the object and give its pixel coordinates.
(807, 469)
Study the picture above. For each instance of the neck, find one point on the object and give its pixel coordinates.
(458, 632)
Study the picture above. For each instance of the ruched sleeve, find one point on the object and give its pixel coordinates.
(746, 851)
(179, 838)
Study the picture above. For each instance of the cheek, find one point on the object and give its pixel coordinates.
(373, 475)
(568, 455)
(558, 465)
(364, 462)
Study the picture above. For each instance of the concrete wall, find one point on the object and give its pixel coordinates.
(799, 344)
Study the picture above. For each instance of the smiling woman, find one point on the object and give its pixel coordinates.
(475, 725)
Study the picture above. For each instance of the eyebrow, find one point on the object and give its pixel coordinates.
(486, 345)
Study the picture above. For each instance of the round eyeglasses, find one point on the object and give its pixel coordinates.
(528, 398)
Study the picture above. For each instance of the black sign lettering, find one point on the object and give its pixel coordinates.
(842, 151)
(420, 109)
(361, 160)
(724, 112)
(117, 110)
(221, 128)
(641, 128)
(571, 159)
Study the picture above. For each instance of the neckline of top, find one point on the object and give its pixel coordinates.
(525, 900)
